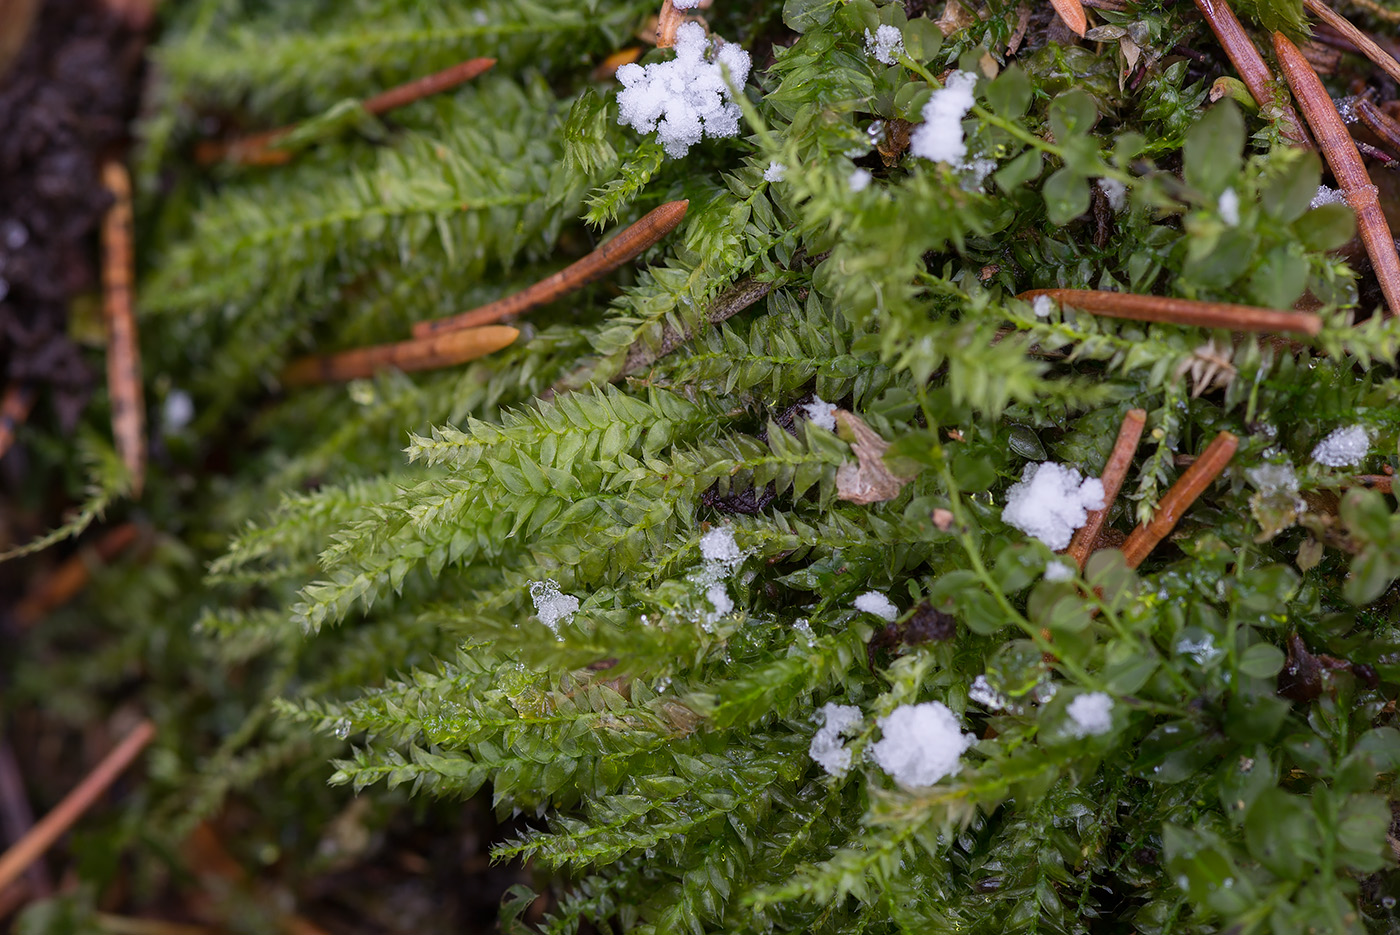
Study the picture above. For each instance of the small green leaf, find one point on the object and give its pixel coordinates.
(802, 15)
(1066, 196)
(1019, 171)
(1262, 660)
(1213, 147)
(1011, 93)
(1326, 227)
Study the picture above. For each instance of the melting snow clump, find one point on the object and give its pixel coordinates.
(775, 172)
(922, 744)
(551, 605)
(859, 180)
(940, 137)
(826, 747)
(1051, 501)
(1327, 196)
(718, 596)
(873, 602)
(1058, 571)
(1042, 306)
(982, 692)
(685, 99)
(1344, 447)
(1090, 714)
(822, 413)
(1229, 205)
(1117, 193)
(885, 46)
(719, 548)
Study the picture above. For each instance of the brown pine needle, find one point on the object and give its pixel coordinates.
(14, 409)
(63, 583)
(607, 69)
(1181, 311)
(1340, 151)
(123, 346)
(1190, 485)
(429, 353)
(1383, 59)
(53, 825)
(258, 149)
(1383, 483)
(1379, 122)
(1114, 473)
(1255, 74)
(1071, 13)
(627, 245)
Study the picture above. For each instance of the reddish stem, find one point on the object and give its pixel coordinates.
(1114, 473)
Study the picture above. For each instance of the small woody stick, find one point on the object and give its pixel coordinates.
(630, 243)
(52, 826)
(1249, 63)
(1379, 122)
(62, 584)
(1071, 13)
(1190, 485)
(123, 348)
(257, 149)
(1181, 311)
(429, 353)
(14, 409)
(1346, 164)
(1114, 472)
(1365, 43)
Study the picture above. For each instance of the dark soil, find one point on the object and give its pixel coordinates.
(65, 104)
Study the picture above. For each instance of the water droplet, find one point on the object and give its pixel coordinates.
(1388, 902)
(342, 729)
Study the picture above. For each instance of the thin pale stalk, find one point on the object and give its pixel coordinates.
(1181, 311)
(14, 409)
(630, 243)
(1250, 64)
(1190, 485)
(430, 353)
(1120, 459)
(118, 311)
(53, 825)
(1340, 151)
(1383, 59)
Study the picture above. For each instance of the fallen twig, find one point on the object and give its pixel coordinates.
(427, 353)
(63, 583)
(1071, 13)
(259, 149)
(1114, 472)
(1181, 311)
(1383, 483)
(1190, 485)
(628, 244)
(1340, 151)
(123, 347)
(14, 409)
(1379, 123)
(1255, 74)
(1383, 59)
(52, 826)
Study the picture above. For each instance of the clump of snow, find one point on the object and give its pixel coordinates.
(722, 557)
(922, 743)
(1229, 207)
(1090, 714)
(1042, 306)
(1051, 501)
(718, 547)
(775, 172)
(685, 4)
(1344, 447)
(1116, 192)
(177, 412)
(827, 748)
(859, 179)
(685, 99)
(1327, 196)
(551, 605)
(940, 137)
(1058, 571)
(873, 602)
(1273, 478)
(982, 692)
(886, 45)
(718, 596)
(822, 413)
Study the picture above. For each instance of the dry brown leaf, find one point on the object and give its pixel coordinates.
(868, 480)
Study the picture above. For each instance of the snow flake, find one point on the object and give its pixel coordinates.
(719, 548)
(775, 172)
(885, 46)
(1090, 714)
(1343, 447)
(1327, 196)
(552, 606)
(1229, 207)
(1051, 501)
(859, 179)
(821, 413)
(1042, 306)
(827, 748)
(1116, 192)
(685, 99)
(1058, 571)
(873, 602)
(718, 596)
(685, 4)
(940, 137)
(177, 412)
(982, 692)
(922, 743)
